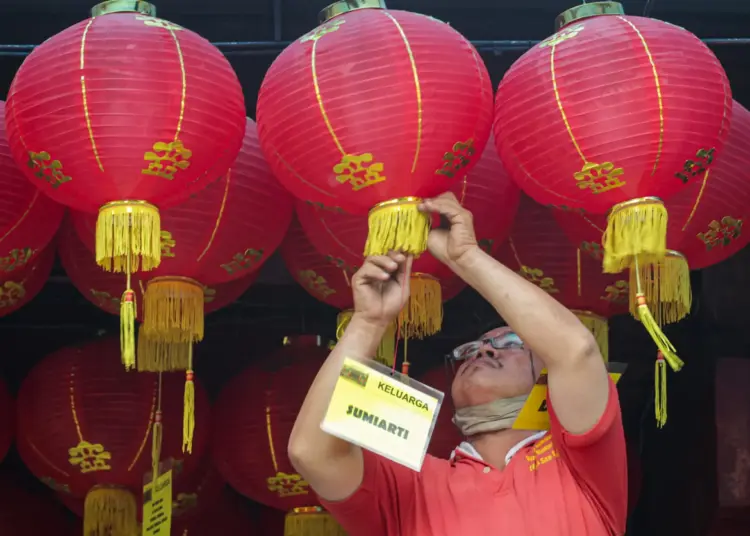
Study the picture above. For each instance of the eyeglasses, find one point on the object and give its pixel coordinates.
(469, 350)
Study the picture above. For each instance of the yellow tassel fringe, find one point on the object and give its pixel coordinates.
(173, 310)
(599, 328)
(110, 511)
(636, 228)
(128, 313)
(386, 350)
(313, 521)
(155, 355)
(666, 348)
(397, 225)
(128, 229)
(660, 391)
(423, 314)
(666, 286)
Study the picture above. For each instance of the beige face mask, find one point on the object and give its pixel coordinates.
(491, 417)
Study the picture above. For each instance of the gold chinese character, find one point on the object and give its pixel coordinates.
(562, 35)
(167, 243)
(209, 294)
(457, 159)
(486, 245)
(340, 263)
(90, 457)
(315, 283)
(599, 178)
(159, 23)
(50, 171)
(353, 169)
(322, 30)
(11, 293)
(16, 259)
(721, 233)
(287, 485)
(536, 276)
(321, 206)
(703, 159)
(104, 299)
(593, 249)
(617, 293)
(243, 261)
(166, 159)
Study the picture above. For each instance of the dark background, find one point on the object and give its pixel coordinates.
(679, 494)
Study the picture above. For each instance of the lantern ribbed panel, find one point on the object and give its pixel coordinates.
(446, 436)
(225, 231)
(29, 514)
(635, 97)
(84, 394)
(99, 95)
(104, 289)
(7, 419)
(400, 87)
(28, 219)
(253, 418)
(21, 286)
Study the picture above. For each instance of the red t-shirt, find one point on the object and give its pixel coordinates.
(559, 484)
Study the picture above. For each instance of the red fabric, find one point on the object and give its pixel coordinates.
(705, 219)
(84, 394)
(227, 230)
(230, 515)
(21, 286)
(253, 419)
(561, 484)
(24, 513)
(104, 289)
(28, 219)
(446, 436)
(326, 96)
(538, 250)
(146, 81)
(589, 95)
(486, 191)
(7, 419)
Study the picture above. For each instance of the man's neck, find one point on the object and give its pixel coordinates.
(493, 447)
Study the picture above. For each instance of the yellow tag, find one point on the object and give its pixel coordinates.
(534, 415)
(374, 410)
(157, 506)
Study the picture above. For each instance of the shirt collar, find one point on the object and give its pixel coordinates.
(467, 449)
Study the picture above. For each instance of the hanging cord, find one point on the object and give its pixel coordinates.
(188, 410)
(405, 365)
(128, 308)
(156, 437)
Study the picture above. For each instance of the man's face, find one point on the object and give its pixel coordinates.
(499, 366)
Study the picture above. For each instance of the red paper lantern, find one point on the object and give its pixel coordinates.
(538, 250)
(602, 115)
(446, 436)
(249, 446)
(7, 419)
(406, 122)
(29, 514)
(229, 515)
(19, 287)
(123, 113)
(85, 424)
(28, 219)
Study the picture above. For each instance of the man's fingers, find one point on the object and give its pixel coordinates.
(446, 204)
(404, 268)
(378, 268)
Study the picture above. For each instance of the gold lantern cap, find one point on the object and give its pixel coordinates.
(344, 6)
(124, 6)
(584, 11)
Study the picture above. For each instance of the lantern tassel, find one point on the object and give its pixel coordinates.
(660, 390)
(110, 511)
(662, 343)
(188, 410)
(312, 521)
(636, 229)
(155, 355)
(387, 347)
(397, 225)
(423, 314)
(599, 328)
(128, 311)
(127, 233)
(173, 310)
(666, 284)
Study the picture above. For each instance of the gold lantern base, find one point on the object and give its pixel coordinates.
(636, 234)
(173, 309)
(110, 511)
(397, 225)
(423, 314)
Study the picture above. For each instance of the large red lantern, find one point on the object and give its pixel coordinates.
(29, 514)
(7, 419)
(270, 394)
(120, 114)
(446, 436)
(389, 128)
(602, 116)
(486, 191)
(28, 219)
(84, 426)
(229, 515)
(19, 287)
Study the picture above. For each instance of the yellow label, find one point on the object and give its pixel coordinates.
(534, 414)
(379, 413)
(157, 506)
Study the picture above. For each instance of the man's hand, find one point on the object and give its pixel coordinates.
(450, 245)
(381, 288)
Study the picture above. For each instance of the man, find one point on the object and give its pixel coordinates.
(570, 481)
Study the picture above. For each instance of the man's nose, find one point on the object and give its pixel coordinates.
(487, 351)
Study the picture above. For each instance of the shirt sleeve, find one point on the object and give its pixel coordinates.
(381, 503)
(598, 460)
